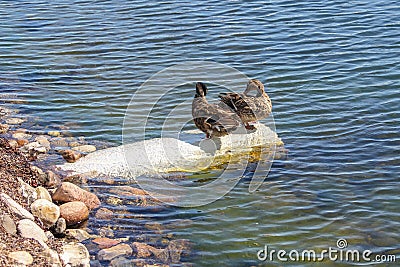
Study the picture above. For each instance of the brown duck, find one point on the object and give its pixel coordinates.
(212, 119)
(249, 108)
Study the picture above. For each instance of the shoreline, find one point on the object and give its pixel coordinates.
(60, 211)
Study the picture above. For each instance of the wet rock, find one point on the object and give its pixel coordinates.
(52, 257)
(85, 148)
(115, 201)
(104, 242)
(106, 232)
(75, 255)
(52, 180)
(154, 226)
(20, 136)
(21, 257)
(70, 155)
(59, 142)
(121, 261)
(46, 211)
(16, 208)
(78, 234)
(108, 254)
(43, 141)
(34, 147)
(27, 191)
(4, 128)
(77, 179)
(14, 121)
(42, 193)
(54, 133)
(67, 192)
(176, 248)
(60, 226)
(8, 224)
(143, 250)
(74, 212)
(104, 214)
(29, 229)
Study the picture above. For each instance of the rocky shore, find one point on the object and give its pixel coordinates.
(44, 213)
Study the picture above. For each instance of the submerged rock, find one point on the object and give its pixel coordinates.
(104, 214)
(78, 234)
(105, 242)
(85, 148)
(71, 155)
(108, 254)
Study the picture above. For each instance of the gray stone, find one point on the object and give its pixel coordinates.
(43, 141)
(60, 226)
(46, 211)
(8, 224)
(52, 180)
(29, 229)
(16, 208)
(75, 254)
(21, 257)
(40, 173)
(108, 254)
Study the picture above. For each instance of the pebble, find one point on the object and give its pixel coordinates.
(74, 212)
(108, 254)
(75, 254)
(85, 148)
(46, 211)
(8, 224)
(16, 208)
(20, 135)
(71, 156)
(67, 192)
(54, 133)
(78, 234)
(60, 226)
(42, 193)
(14, 121)
(104, 214)
(29, 229)
(21, 257)
(105, 242)
(52, 180)
(4, 128)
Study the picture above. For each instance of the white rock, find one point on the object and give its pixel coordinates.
(75, 254)
(29, 229)
(27, 191)
(78, 234)
(16, 208)
(46, 211)
(52, 257)
(21, 257)
(85, 148)
(42, 193)
(14, 121)
(21, 136)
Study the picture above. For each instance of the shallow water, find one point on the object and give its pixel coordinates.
(331, 69)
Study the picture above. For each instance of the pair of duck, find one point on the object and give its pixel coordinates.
(217, 120)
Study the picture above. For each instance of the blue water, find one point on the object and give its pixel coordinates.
(331, 69)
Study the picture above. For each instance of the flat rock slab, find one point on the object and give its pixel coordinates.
(16, 208)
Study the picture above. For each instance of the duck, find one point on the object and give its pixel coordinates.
(212, 119)
(249, 108)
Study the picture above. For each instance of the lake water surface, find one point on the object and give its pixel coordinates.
(331, 69)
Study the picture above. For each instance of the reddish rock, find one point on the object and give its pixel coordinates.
(105, 242)
(22, 142)
(143, 250)
(67, 192)
(71, 155)
(104, 214)
(74, 212)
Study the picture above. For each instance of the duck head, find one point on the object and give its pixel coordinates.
(201, 90)
(254, 85)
